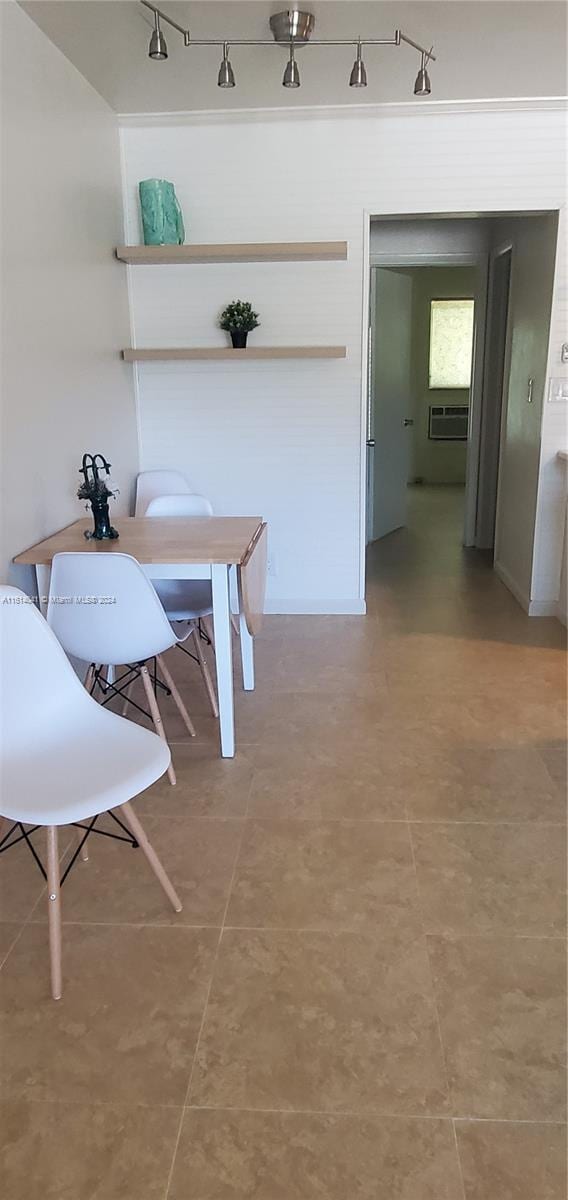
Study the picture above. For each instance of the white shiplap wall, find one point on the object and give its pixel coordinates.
(285, 439)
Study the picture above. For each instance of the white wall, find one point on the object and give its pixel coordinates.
(532, 273)
(285, 440)
(65, 314)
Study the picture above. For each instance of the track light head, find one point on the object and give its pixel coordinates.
(226, 76)
(291, 77)
(422, 82)
(358, 76)
(157, 48)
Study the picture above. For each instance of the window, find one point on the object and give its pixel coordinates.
(451, 343)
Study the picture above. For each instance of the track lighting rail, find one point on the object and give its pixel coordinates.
(358, 78)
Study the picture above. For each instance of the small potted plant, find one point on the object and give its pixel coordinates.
(239, 318)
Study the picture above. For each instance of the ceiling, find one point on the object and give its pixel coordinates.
(485, 50)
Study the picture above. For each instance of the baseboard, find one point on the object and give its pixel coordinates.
(512, 585)
(534, 608)
(545, 608)
(561, 613)
(351, 608)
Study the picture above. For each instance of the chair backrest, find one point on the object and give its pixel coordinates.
(104, 609)
(157, 483)
(38, 685)
(190, 505)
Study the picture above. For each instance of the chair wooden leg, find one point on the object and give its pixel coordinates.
(208, 627)
(153, 705)
(235, 624)
(205, 672)
(89, 677)
(54, 910)
(177, 698)
(151, 856)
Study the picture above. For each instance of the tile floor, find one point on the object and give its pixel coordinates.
(363, 997)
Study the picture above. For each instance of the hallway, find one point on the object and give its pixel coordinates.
(363, 996)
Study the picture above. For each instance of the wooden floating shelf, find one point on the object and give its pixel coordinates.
(234, 252)
(227, 353)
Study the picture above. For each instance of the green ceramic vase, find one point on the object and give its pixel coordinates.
(162, 221)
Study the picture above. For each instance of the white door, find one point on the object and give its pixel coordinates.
(390, 400)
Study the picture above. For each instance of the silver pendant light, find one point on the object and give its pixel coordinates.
(291, 77)
(226, 76)
(358, 76)
(157, 48)
(422, 82)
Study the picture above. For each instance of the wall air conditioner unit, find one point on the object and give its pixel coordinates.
(448, 422)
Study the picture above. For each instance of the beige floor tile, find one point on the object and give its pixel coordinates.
(454, 782)
(502, 1007)
(324, 875)
(512, 1162)
(271, 716)
(207, 785)
(83, 1152)
(519, 714)
(554, 754)
(21, 882)
(287, 1156)
(321, 1021)
(311, 674)
(117, 885)
(329, 777)
(9, 931)
(480, 879)
(126, 1028)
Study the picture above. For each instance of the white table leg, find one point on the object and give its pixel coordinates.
(247, 655)
(43, 575)
(223, 657)
(234, 588)
(247, 645)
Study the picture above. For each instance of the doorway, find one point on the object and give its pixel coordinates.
(422, 321)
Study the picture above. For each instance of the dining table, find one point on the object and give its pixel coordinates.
(214, 548)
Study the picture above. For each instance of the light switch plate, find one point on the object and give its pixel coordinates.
(564, 353)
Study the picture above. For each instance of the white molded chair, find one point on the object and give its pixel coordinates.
(65, 759)
(150, 484)
(187, 599)
(104, 609)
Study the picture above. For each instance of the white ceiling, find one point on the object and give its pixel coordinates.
(485, 50)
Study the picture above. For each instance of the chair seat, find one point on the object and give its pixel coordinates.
(86, 762)
(185, 599)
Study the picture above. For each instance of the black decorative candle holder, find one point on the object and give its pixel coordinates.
(95, 491)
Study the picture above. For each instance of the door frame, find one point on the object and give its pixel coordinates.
(453, 259)
(506, 247)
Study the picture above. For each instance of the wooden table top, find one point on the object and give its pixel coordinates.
(158, 540)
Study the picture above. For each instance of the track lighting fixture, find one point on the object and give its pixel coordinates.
(157, 48)
(291, 30)
(358, 76)
(422, 83)
(291, 76)
(226, 76)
